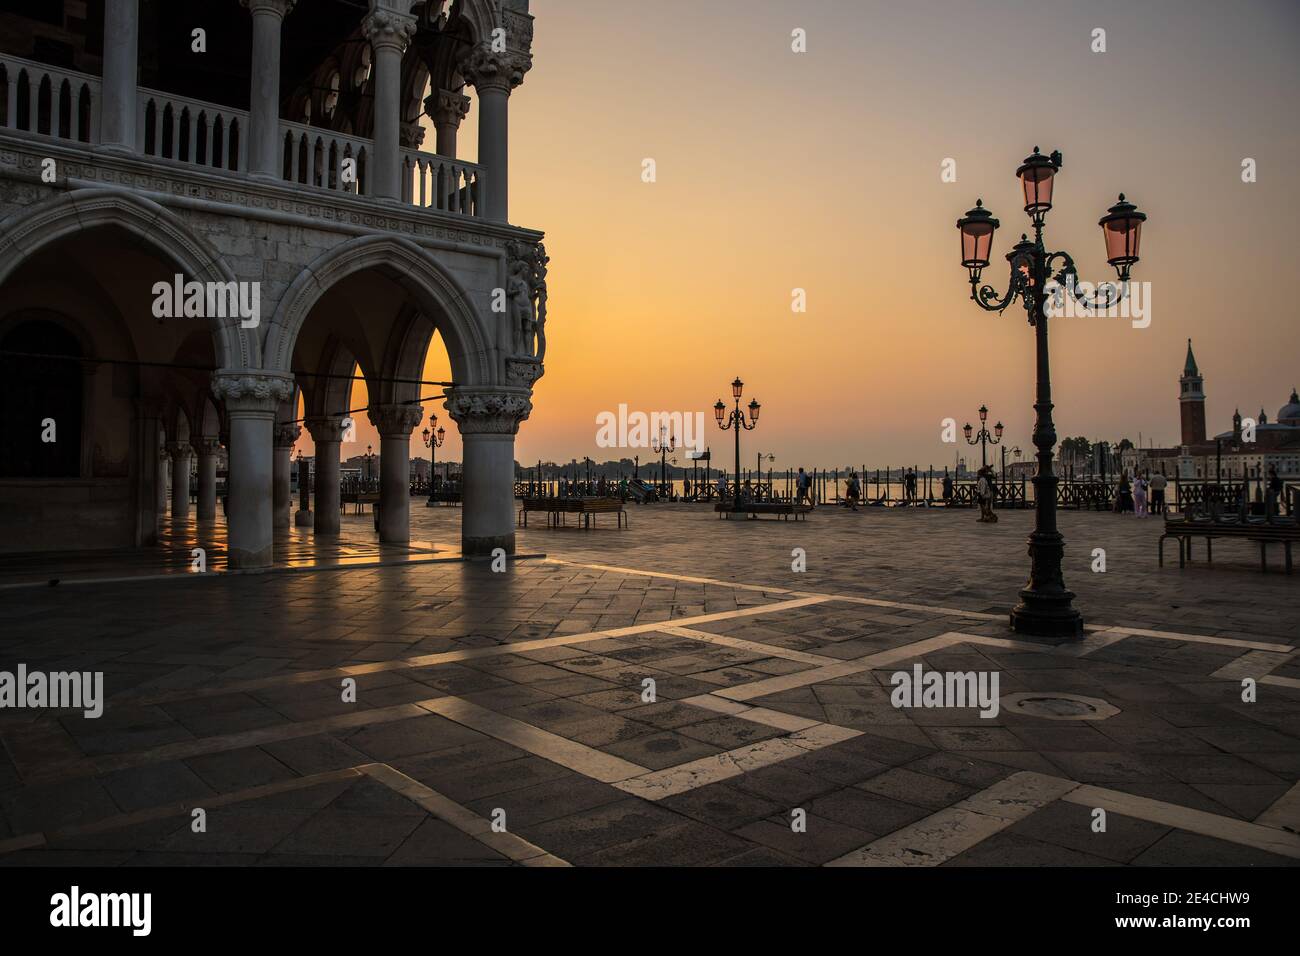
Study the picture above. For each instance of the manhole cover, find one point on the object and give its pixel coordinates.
(1054, 706)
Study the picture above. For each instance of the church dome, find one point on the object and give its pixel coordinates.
(1290, 412)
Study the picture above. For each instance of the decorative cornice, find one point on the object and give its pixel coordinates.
(488, 412)
(388, 29)
(325, 429)
(251, 390)
(488, 69)
(227, 193)
(446, 107)
(396, 421)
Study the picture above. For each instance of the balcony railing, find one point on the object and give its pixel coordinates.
(440, 182)
(49, 101)
(319, 157)
(43, 99)
(191, 131)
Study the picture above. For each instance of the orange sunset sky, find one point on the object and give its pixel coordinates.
(821, 171)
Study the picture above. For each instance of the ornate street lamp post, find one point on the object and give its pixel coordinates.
(736, 420)
(983, 438)
(433, 437)
(1045, 607)
(663, 445)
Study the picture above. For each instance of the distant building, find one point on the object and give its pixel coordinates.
(1227, 454)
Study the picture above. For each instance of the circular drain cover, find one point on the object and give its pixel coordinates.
(1054, 706)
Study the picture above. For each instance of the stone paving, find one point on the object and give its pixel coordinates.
(505, 718)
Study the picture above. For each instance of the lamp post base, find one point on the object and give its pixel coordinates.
(1050, 618)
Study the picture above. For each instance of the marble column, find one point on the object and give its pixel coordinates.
(326, 434)
(118, 107)
(206, 449)
(282, 492)
(264, 140)
(251, 398)
(395, 424)
(489, 420)
(163, 480)
(389, 28)
(148, 444)
(446, 108)
(493, 75)
(180, 452)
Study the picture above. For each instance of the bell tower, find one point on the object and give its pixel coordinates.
(1191, 398)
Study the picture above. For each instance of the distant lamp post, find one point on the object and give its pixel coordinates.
(433, 437)
(304, 481)
(983, 438)
(1045, 607)
(735, 419)
(758, 471)
(370, 463)
(663, 445)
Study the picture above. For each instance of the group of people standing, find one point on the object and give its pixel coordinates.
(1144, 497)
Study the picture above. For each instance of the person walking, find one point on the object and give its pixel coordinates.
(686, 489)
(947, 488)
(1158, 484)
(984, 491)
(802, 484)
(1139, 496)
(1124, 495)
(1272, 493)
(909, 486)
(852, 492)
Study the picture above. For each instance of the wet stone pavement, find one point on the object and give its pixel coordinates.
(671, 693)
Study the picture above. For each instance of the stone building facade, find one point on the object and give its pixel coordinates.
(176, 273)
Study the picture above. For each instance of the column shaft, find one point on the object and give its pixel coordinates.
(327, 487)
(206, 509)
(388, 76)
(494, 149)
(394, 489)
(180, 480)
(248, 512)
(487, 512)
(117, 116)
(264, 142)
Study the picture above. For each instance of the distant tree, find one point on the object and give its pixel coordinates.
(1125, 445)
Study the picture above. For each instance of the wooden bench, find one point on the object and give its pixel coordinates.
(557, 508)
(780, 509)
(1265, 531)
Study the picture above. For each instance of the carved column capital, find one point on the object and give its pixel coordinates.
(325, 429)
(488, 411)
(286, 436)
(387, 27)
(446, 107)
(396, 421)
(205, 446)
(179, 451)
(280, 8)
(488, 69)
(251, 391)
(410, 135)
